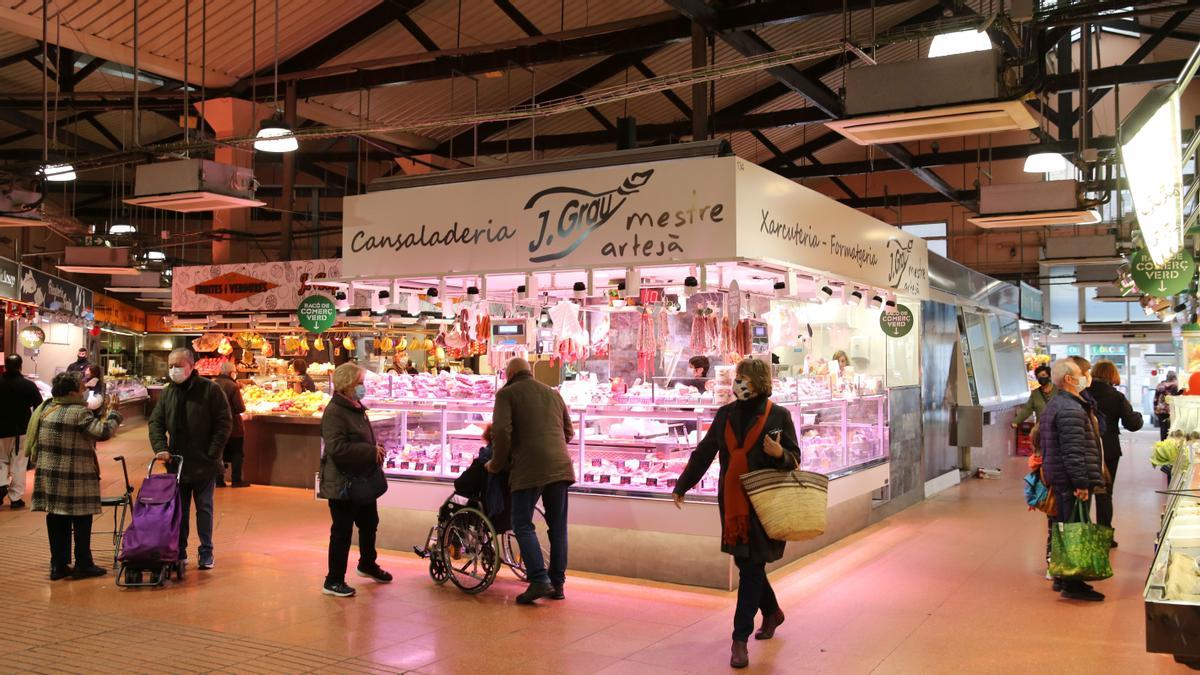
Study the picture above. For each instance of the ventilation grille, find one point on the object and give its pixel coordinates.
(190, 202)
(961, 120)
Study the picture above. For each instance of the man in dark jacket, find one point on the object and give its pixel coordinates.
(531, 427)
(234, 454)
(1070, 455)
(81, 362)
(18, 396)
(192, 419)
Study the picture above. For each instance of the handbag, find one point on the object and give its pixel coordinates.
(366, 488)
(790, 504)
(1079, 550)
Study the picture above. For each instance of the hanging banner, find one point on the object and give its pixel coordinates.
(649, 213)
(1162, 281)
(896, 324)
(316, 314)
(248, 287)
(8, 280)
(57, 295)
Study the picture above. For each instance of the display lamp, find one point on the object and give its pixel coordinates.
(824, 292)
(579, 290)
(275, 135)
(889, 304)
(1046, 162)
(875, 301)
(691, 287)
(854, 298)
(959, 42)
(522, 293)
(58, 173)
(122, 228)
(472, 293)
(156, 256)
(620, 301)
(780, 289)
(340, 302)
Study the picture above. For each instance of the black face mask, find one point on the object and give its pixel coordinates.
(1043, 380)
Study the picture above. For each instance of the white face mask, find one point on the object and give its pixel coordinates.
(94, 401)
(741, 390)
(178, 374)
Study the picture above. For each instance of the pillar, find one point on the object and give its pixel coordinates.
(230, 118)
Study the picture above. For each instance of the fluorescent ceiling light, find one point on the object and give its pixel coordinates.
(58, 173)
(962, 42)
(1046, 162)
(156, 255)
(122, 228)
(275, 136)
(1155, 171)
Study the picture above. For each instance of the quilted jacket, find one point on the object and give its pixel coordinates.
(1070, 445)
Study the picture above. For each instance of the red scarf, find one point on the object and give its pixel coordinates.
(736, 529)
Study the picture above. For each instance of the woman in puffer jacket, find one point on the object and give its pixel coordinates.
(1071, 455)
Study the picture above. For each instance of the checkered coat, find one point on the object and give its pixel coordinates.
(68, 473)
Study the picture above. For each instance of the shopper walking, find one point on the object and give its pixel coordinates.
(192, 420)
(747, 435)
(234, 454)
(1162, 410)
(1038, 398)
(350, 452)
(62, 435)
(531, 427)
(18, 397)
(1071, 456)
(1115, 411)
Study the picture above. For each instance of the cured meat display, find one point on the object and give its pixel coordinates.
(706, 332)
(652, 335)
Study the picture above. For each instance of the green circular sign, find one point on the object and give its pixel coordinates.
(897, 324)
(1170, 279)
(316, 313)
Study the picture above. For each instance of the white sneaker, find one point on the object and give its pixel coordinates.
(1049, 577)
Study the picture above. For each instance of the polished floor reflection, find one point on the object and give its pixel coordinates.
(952, 585)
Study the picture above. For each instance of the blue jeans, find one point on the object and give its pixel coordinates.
(554, 503)
(203, 496)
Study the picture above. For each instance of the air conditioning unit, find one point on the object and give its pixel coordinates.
(191, 185)
(19, 208)
(97, 260)
(1038, 204)
(1113, 294)
(956, 95)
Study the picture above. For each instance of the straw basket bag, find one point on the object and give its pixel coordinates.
(790, 504)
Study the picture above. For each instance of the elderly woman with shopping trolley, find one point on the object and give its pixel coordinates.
(747, 435)
(61, 439)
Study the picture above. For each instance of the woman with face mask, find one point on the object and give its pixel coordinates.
(747, 435)
(350, 451)
(1038, 398)
(93, 383)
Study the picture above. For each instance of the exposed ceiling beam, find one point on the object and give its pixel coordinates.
(34, 124)
(30, 25)
(916, 199)
(341, 38)
(1100, 78)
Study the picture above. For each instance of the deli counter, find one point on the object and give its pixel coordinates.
(1172, 593)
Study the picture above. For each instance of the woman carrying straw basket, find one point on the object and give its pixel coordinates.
(747, 435)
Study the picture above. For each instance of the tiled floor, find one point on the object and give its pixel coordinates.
(952, 585)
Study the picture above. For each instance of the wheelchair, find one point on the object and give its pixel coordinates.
(467, 548)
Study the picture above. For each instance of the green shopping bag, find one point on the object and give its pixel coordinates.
(1079, 550)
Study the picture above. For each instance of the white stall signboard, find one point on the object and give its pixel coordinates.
(650, 213)
(249, 287)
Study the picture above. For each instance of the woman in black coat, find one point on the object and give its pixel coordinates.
(1114, 411)
(747, 435)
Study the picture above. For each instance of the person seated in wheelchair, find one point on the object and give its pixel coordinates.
(487, 489)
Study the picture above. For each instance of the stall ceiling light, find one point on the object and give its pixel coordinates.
(122, 228)
(1046, 162)
(58, 173)
(275, 135)
(1154, 168)
(961, 42)
(156, 255)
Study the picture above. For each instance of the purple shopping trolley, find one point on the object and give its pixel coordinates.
(150, 550)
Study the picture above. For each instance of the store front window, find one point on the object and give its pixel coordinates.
(1063, 300)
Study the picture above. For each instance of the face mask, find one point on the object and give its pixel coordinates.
(741, 390)
(94, 401)
(91, 383)
(1043, 380)
(1087, 382)
(177, 374)
(360, 392)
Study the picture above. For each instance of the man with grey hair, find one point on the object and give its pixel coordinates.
(234, 454)
(531, 427)
(1070, 447)
(192, 420)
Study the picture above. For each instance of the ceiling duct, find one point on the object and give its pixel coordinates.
(956, 95)
(191, 185)
(1039, 204)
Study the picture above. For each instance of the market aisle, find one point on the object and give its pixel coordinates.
(951, 585)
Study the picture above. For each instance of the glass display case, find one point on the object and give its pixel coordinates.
(126, 389)
(1172, 592)
(631, 450)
